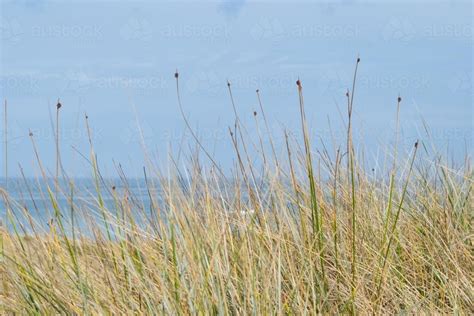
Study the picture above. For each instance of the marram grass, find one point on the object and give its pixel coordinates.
(298, 233)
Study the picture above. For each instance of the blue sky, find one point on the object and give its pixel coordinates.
(115, 60)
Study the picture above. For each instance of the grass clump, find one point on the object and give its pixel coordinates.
(284, 235)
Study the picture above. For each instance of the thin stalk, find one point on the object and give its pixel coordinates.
(296, 189)
(260, 139)
(315, 213)
(394, 225)
(392, 177)
(188, 125)
(6, 177)
(350, 157)
(5, 134)
(58, 106)
(252, 194)
(392, 183)
(95, 169)
(334, 201)
(268, 129)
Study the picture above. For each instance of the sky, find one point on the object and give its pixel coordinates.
(115, 61)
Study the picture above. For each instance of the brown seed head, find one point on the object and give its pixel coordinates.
(228, 83)
(113, 188)
(59, 105)
(358, 59)
(254, 113)
(416, 144)
(31, 134)
(399, 99)
(298, 83)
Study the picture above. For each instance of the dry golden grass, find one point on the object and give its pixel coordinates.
(287, 237)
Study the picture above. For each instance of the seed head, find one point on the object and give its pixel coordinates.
(298, 83)
(59, 105)
(31, 134)
(176, 74)
(347, 93)
(113, 188)
(416, 144)
(228, 83)
(358, 59)
(399, 99)
(254, 113)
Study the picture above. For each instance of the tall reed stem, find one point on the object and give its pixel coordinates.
(350, 158)
(394, 225)
(6, 144)
(316, 218)
(58, 106)
(6, 175)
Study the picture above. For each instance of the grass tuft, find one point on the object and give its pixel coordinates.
(296, 233)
